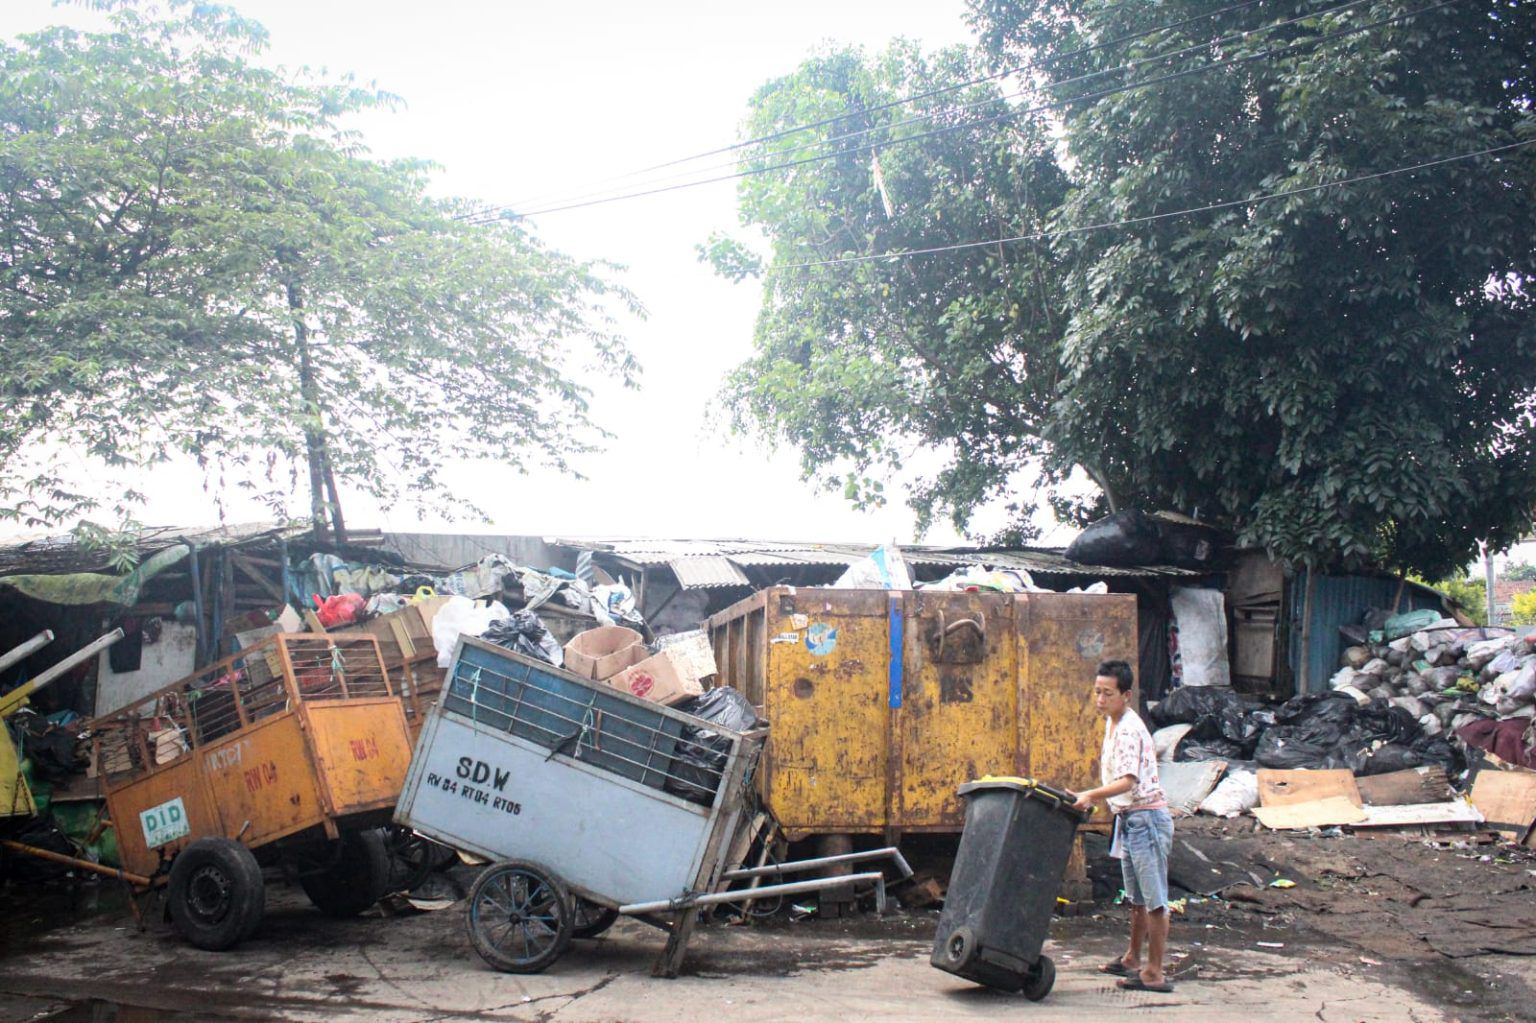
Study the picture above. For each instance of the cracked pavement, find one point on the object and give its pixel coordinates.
(301, 966)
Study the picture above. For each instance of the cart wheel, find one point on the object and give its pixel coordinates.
(216, 894)
(355, 880)
(590, 919)
(412, 858)
(1042, 977)
(959, 948)
(520, 917)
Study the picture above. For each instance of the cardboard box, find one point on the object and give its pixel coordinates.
(603, 652)
(406, 634)
(666, 678)
(694, 651)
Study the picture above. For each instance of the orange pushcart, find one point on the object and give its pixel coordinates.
(291, 753)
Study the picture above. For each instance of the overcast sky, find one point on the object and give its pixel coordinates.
(521, 100)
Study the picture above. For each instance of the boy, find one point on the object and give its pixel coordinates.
(1143, 832)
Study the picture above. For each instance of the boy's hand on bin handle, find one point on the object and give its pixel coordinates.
(1083, 801)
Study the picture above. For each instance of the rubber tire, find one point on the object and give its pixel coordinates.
(216, 894)
(483, 907)
(1042, 977)
(590, 919)
(356, 880)
(959, 948)
(412, 858)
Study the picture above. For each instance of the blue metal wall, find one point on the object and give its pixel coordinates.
(1336, 601)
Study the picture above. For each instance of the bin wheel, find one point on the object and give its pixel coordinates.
(959, 948)
(521, 918)
(590, 919)
(355, 878)
(1042, 977)
(216, 894)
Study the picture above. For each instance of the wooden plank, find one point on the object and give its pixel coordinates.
(256, 575)
(1289, 788)
(1319, 813)
(1401, 788)
(1507, 799)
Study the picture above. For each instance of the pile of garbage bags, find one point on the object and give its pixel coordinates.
(1319, 730)
(1476, 684)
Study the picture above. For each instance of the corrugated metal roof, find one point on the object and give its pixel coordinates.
(758, 553)
(707, 571)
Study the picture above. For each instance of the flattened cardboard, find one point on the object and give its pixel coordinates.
(1319, 813)
(1507, 799)
(1288, 788)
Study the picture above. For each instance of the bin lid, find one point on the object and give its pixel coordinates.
(1058, 799)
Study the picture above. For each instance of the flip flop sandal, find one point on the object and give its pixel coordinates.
(1137, 984)
(1115, 967)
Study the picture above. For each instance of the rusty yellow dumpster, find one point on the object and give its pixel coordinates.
(883, 703)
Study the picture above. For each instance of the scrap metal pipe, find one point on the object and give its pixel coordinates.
(48, 854)
(748, 894)
(18, 696)
(15, 654)
(798, 866)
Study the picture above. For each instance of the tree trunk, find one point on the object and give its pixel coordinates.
(320, 478)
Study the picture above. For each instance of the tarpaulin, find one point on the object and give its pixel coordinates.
(95, 587)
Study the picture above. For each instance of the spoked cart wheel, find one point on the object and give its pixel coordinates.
(591, 919)
(521, 918)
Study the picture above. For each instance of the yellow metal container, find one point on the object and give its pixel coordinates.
(15, 796)
(883, 703)
(300, 733)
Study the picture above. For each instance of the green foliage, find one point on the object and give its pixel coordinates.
(197, 259)
(1343, 376)
(1522, 608)
(861, 363)
(1469, 593)
(1519, 571)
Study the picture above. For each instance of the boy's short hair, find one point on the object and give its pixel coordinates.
(1120, 672)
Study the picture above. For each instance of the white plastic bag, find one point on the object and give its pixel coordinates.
(1201, 618)
(461, 616)
(884, 569)
(1237, 793)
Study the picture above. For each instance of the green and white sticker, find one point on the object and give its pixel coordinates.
(164, 823)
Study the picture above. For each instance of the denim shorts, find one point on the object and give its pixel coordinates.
(1146, 838)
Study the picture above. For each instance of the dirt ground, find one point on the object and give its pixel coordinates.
(1374, 929)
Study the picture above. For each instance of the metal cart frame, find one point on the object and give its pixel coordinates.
(591, 804)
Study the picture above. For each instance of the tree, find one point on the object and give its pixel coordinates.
(1341, 374)
(197, 258)
(1519, 571)
(860, 363)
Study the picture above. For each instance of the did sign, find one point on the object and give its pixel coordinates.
(164, 823)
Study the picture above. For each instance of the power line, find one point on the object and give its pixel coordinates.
(796, 129)
(1172, 76)
(688, 177)
(1106, 225)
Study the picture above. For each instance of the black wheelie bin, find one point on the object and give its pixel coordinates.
(1002, 893)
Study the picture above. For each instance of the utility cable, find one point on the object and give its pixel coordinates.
(796, 129)
(1133, 221)
(689, 176)
(1089, 97)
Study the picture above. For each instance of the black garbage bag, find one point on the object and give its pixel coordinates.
(1124, 538)
(1188, 704)
(1388, 758)
(1289, 748)
(526, 634)
(1208, 749)
(701, 753)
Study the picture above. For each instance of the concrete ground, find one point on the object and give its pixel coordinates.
(79, 957)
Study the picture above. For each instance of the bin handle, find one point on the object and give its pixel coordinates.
(945, 630)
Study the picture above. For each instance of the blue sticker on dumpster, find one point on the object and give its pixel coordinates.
(821, 639)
